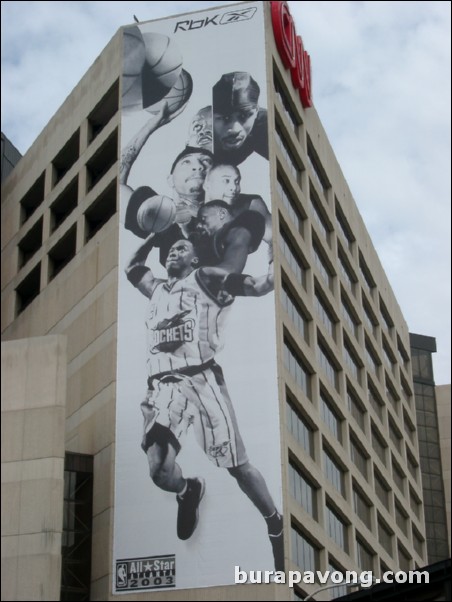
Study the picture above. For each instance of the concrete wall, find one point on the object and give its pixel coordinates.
(32, 417)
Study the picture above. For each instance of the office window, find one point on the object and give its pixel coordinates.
(304, 553)
(372, 359)
(327, 366)
(358, 457)
(418, 543)
(369, 318)
(349, 318)
(286, 106)
(340, 590)
(336, 528)
(385, 537)
(404, 560)
(344, 229)
(356, 408)
(382, 490)
(361, 507)
(415, 504)
(364, 556)
(289, 155)
(296, 368)
(299, 428)
(421, 362)
(379, 445)
(375, 400)
(398, 476)
(387, 322)
(319, 218)
(330, 417)
(352, 362)
(395, 436)
(388, 358)
(293, 258)
(317, 170)
(347, 273)
(367, 275)
(401, 519)
(406, 392)
(294, 311)
(325, 315)
(410, 430)
(334, 473)
(412, 465)
(302, 490)
(290, 204)
(392, 396)
(322, 266)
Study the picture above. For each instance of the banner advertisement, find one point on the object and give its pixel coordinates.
(198, 466)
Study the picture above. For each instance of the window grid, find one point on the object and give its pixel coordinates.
(356, 409)
(364, 556)
(378, 446)
(361, 507)
(385, 537)
(351, 363)
(349, 319)
(322, 267)
(382, 490)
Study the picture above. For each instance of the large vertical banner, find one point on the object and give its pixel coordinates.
(198, 467)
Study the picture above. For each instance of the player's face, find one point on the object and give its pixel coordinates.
(180, 258)
(209, 220)
(223, 183)
(231, 130)
(189, 174)
(200, 132)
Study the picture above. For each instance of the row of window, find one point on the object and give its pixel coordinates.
(303, 431)
(324, 226)
(306, 552)
(96, 216)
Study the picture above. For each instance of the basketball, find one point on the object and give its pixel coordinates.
(178, 96)
(161, 68)
(134, 57)
(156, 214)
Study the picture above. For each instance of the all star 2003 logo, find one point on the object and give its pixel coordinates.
(154, 572)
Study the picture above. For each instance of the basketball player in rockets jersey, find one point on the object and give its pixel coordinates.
(185, 322)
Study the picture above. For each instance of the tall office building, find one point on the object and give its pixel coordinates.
(318, 371)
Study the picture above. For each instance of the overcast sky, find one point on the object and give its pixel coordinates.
(381, 85)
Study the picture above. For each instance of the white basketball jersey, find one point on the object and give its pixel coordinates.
(184, 325)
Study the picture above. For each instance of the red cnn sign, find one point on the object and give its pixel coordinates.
(291, 51)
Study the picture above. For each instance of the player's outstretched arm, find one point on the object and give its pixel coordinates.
(137, 272)
(133, 149)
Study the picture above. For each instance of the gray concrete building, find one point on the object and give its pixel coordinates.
(352, 487)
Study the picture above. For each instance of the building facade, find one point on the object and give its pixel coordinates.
(350, 478)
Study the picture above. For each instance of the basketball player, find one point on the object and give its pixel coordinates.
(239, 125)
(185, 323)
(200, 130)
(222, 182)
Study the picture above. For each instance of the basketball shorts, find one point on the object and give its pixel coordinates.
(178, 402)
